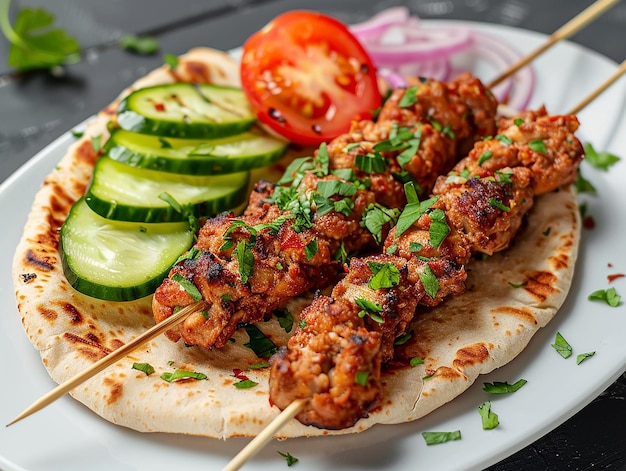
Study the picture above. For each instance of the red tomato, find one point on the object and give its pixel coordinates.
(308, 77)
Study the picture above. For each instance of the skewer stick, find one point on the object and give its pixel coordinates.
(266, 435)
(108, 360)
(606, 84)
(575, 24)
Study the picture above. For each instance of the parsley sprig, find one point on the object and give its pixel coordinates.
(34, 42)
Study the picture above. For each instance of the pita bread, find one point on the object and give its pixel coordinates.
(464, 337)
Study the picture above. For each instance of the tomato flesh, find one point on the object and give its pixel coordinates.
(308, 77)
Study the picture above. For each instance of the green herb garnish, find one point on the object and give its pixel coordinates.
(561, 346)
(489, 418)
(146, 368)
(502, 387)
(182, 374)
(139, 44)
(291, 460)
(188, 286)
(609, 296)
(434, 438)
(384, 275)
(601, 160)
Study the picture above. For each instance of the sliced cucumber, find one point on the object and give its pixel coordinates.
(118, 261)
(243, 151)
(119, 191)
(186, 110)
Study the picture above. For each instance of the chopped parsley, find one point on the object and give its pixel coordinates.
(503, 387)
(583, 356)
(368, 308)
(245, 259)
(384, 275)
(439, 228)
(409, 98)
(145, 45)
(484, 157)
(506, 140)
(434, 438)
(370, 163)
(188, 286)
(310, 249)
(609, 296)
(259, 343)
(170, 60)
(416, 361)
(182, 374)
(291, 460)
(518, 121)
(538, 146)
(497, 204)
(413, 210)
(146, 368)
(489, 418)
(245, 384)
(361, 377)
(561, 346)
(430, 282)
(404, 338)
(601, 160)
(375, 217)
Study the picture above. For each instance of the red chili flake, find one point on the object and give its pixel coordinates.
(610, 265)
(238, 373)
(612, 278)
(589, 222)
(269, 399)
(159, 106)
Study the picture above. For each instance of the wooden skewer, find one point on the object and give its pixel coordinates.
(266, 435)
(606, 84)
(575, 24)
(108, 360)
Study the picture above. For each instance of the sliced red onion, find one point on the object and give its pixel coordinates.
(401, 44)
(372, 29)
(400, 47)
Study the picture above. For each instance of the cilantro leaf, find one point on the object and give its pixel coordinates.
(34, 43)
(601, 160)
(582, 185)
(245, 384)
(430, 282)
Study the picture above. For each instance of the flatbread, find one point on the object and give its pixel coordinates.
(464, 337)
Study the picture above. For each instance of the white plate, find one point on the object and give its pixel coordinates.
(67, 436)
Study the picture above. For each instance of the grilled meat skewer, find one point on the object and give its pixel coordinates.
(293, 238)
(334, 358)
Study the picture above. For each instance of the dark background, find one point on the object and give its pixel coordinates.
(36, 108)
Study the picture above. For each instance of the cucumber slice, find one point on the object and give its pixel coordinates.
(119, 191)
(186, 110)
(118, 261)
(243, 151)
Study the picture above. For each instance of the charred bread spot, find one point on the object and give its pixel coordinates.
(116, 390)
(470, 356)
(91, 349)
(28, 277)
(541, 285)
(41, 263)
(524, 314)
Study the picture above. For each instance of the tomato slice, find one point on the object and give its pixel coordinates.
(308, 77)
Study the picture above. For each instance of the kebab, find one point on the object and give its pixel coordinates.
(294, 238)
(335, 357)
